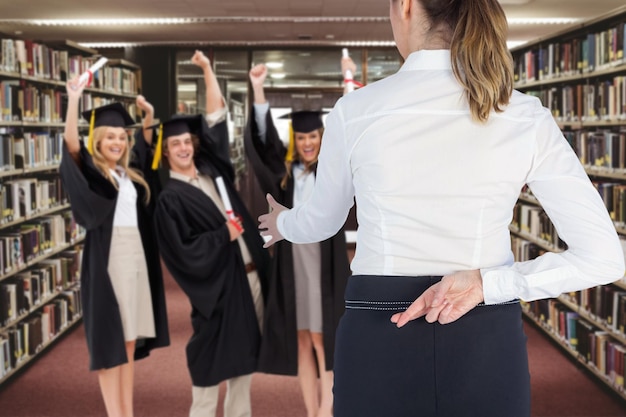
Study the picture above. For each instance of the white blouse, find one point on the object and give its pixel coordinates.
(126, 207)
(435, 190)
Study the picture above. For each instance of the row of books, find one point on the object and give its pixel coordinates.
(25, 197)
(605, 304)
(601, 148)
(29, 336)
(23, 293)
(532, 221)
(23, 244)
(27, 58)
(566, 57)
(26, 149)
(595, 346)
(598, 100)
(21, 102)
(614, 197)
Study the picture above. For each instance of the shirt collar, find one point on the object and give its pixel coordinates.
(118, 173)
(183, 177)
(428, 59)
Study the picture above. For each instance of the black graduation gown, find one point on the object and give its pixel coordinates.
(279, 349)
(196, 248)
(93, 199)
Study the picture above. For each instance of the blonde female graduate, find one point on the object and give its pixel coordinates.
(436, 156)
(121, 282)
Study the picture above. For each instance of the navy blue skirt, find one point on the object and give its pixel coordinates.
(475, 366)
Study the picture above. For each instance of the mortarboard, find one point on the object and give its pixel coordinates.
(113, 115)
(303, 121)
(177, 125)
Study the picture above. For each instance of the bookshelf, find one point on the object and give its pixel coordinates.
(40, 242)
(580, 75)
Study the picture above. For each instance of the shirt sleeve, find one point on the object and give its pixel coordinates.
(217, 116)
(260, 114)
(325, 212)
(594, 255)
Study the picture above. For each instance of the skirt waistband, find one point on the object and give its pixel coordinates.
(389, 293)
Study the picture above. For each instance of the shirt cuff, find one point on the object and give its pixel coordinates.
(217, 116)
(499, 285)
(280, 223)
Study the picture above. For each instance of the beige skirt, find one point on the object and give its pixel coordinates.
(129, 276)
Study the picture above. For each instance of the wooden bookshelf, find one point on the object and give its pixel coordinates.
(580, 75)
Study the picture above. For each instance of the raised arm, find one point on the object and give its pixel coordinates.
(258, 74)
(148, 117)
(74, 92)
(214, 100)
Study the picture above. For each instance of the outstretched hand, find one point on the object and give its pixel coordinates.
(267, 222)
(446, 301)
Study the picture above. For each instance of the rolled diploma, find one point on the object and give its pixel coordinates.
(221, 188)
(350, 86)
(87, 75)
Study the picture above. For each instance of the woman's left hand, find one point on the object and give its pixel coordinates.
(446, 301)
(267, 222)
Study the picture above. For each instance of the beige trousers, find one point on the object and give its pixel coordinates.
(236, 403)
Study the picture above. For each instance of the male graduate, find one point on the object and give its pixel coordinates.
(219, 263)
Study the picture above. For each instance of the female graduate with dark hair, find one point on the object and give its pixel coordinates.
(121, 283)
(307, 283)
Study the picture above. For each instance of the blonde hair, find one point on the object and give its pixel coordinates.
(481, 61)
(102, 164)
(290, 159)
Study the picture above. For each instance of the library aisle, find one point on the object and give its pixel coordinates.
(59, 385)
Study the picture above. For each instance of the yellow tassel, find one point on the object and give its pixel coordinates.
(157, 151)
(292, 144)
(92, 122)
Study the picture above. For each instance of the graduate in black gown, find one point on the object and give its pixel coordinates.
(220, 263)
(108, 183)
(307, 282)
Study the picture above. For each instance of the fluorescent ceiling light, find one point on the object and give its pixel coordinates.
(542, 20)
(278, 75)
(274, 65)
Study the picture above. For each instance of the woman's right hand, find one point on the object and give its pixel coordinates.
(74, 89)
(258, 74)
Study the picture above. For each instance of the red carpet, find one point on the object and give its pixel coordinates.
(59, 385)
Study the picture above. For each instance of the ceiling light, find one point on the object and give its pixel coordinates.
(542, 20)
(278, 75)
(274, 65)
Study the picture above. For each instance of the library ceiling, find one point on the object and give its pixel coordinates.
(255, 22)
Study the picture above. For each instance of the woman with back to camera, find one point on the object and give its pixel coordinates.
(108, 183)
(436, 156)
(307, 282)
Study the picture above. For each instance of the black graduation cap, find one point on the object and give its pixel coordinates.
(177, 125)
(114, 115)
(180, 124)
(305, 121)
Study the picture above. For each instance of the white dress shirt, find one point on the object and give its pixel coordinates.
(435, 190)
(126, 206)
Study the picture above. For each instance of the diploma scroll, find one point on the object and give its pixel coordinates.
(348, 76)
(221, 188)
(87, 76)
